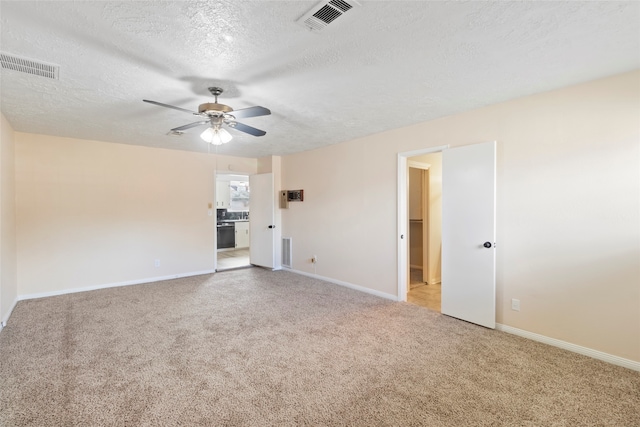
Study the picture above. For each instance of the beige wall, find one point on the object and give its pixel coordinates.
(348, 213)
(92, 213)
(8, 279)
(568, 216)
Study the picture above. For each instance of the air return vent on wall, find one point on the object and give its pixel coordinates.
(286, 252)
(325, 12)
(29, 66)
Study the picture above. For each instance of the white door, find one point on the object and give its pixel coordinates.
(261, 220)
(468, 233)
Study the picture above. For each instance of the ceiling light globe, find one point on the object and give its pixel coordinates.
(224, 136)
(216, 136)
(207, 135)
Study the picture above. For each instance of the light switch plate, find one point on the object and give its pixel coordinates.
(284, 202)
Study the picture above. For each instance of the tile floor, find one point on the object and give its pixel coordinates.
(422, 294)
(233, 259)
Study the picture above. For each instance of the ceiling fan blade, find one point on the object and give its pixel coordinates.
(190, 125)
(247, 129)
(169, 106)
(250, 112)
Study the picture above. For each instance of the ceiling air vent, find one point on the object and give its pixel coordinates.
(324, 13)
(29, 66)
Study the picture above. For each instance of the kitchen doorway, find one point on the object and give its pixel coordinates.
(232, 221)
(425, 230)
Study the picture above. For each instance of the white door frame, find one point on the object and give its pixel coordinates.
(214, 213)
(403, 215)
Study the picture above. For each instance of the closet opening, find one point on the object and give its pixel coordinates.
(424, 285)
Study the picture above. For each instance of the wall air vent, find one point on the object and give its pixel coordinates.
(29, 66)
(325, 12)
(286, 252)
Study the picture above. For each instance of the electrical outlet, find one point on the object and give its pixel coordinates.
(314, 259)
(157, 263)
(515, 304)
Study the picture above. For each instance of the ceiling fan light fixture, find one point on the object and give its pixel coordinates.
(216, 116)
(216, 136)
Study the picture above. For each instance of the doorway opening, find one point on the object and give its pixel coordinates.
(232, 221)
(468, 261)
(404, 262)
(425, 230)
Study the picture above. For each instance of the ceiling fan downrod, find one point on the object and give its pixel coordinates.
(215, 91)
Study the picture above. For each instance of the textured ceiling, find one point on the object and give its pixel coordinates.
(383, 65)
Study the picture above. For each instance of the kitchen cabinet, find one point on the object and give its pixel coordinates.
(223, 195)
(242, 234)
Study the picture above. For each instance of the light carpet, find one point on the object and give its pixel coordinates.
(259, 348)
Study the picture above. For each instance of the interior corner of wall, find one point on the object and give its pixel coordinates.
(264, 164)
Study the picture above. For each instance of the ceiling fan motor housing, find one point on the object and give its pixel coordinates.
(213, 108)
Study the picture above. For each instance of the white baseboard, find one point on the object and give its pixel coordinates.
(345, 284)
(585, 351)
(112, 285)
(5, 318)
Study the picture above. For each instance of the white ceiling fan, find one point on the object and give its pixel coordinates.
(216, 115)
